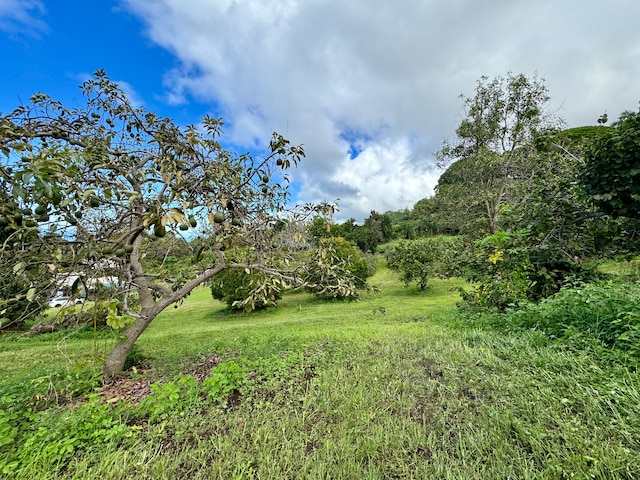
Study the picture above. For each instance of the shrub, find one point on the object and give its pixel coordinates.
(507, 270)
(242, 290)
(425, 258)
(610, 311)
(340, 265)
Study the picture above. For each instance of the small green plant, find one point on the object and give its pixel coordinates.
(225, 378)
(167, 397)
(50, 437)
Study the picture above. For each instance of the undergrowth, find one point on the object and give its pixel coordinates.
(606, 314)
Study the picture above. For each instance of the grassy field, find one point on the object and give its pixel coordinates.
(392, 386)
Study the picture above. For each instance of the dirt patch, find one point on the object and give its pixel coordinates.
(201, 369)
(472, 394)
(431, 368)
(127, 390)
(423, 452)
(134, 390)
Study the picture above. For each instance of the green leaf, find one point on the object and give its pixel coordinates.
(31, 294)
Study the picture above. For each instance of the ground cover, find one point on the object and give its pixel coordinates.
(393, 386)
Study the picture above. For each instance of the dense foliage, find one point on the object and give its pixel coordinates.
(425, 258)
(337, 269)
(608, 311)
(245, 289)
(494, 146)
(612, 170)
(376, 230)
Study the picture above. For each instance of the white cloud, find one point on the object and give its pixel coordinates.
(21, 16)
(391, 180)
(385, 75)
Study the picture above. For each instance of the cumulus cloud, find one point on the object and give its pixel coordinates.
(22, 16)
(393, 180)
(371, 87)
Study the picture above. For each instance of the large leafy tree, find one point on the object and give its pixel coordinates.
(612, 171)
(494, 142)
(134, 174)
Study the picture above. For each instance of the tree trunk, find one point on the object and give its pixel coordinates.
(149, 311)
(492, 217)
(118, 356)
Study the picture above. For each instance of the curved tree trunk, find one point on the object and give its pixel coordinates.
(114, 363)
(116, 359)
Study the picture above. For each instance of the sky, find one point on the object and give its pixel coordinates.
(371, 88)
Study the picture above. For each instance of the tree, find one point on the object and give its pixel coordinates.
(548, 236)
(425, 258)
(23, 289)
(423, 215)
(380, 223)
(377, 229)
(238, 288)
(24, 286)
(465, 195)
(141, 175)
(612, 170)
(495, 141)
(337, 270)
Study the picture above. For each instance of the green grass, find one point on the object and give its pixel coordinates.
(343, 390)
(622, 268)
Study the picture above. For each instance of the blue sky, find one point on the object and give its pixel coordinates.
(66, 41)
(370, 87)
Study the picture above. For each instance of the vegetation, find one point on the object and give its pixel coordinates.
(607, 311)
(493, 148)
(516, 356)
(235, 287)
(106, 176)
(336, 389)
(425, 258)
(376, 230)
(612, 170)
(332, 260)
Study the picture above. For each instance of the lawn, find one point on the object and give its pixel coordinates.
(392, 386)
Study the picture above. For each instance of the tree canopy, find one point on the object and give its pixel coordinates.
(495, 144)
(612, 170)
(101, 178)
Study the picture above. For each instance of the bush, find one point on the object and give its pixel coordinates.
(340, 265)
(245, 291)
(507, 270)
(425, 258)
(610, 311)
